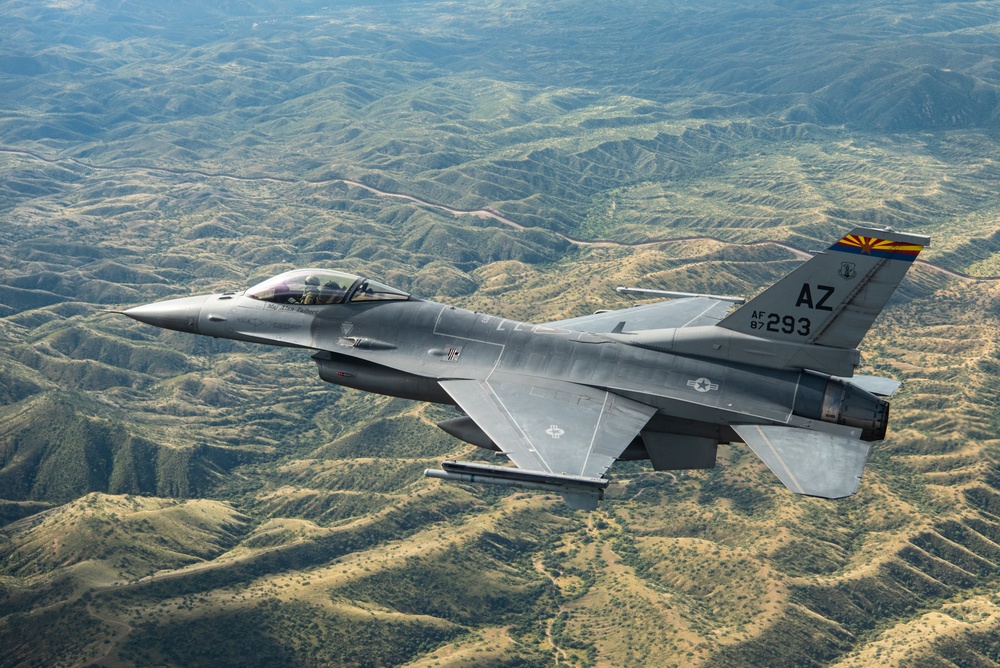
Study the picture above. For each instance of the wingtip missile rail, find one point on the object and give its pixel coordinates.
(581, 492)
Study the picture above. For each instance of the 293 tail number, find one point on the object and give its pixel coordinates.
(776, 322)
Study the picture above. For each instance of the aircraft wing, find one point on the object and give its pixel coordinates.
(560, 430)
(688, 312)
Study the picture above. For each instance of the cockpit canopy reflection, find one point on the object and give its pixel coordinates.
(322, 286)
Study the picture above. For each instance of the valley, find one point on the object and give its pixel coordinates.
(168, 500)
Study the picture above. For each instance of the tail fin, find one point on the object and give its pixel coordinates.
(834, 297)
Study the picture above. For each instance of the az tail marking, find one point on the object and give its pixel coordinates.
(806, 298)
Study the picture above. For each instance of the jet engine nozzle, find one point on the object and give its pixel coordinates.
(844, 403)
(839, 401)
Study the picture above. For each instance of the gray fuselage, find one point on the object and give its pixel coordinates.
(403, 348)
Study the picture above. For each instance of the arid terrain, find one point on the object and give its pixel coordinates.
(173, 500)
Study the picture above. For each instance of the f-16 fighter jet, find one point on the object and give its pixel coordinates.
(667, 381)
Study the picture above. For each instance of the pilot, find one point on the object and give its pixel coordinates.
(310, 294)
(329, 293)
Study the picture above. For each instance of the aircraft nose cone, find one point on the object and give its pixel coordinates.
(178, 314)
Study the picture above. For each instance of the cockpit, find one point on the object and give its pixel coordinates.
(322, 286)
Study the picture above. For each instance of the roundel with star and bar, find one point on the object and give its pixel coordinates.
(883, 248)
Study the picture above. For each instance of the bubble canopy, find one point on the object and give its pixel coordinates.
(322, 286)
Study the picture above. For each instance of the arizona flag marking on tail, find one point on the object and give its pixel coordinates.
(882, 248)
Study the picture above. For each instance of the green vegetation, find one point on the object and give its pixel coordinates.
(172, 500)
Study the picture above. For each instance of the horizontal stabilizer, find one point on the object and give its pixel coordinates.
(580, 492)
(877, 385)
(808, 462)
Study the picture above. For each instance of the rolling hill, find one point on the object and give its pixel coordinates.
(169, 500)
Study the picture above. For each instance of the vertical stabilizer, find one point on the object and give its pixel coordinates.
(834, 297)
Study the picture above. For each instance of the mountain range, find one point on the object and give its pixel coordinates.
(168, 500)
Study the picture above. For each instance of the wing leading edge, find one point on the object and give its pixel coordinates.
(676, 313)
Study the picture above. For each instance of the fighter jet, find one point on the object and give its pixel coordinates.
(667, 381)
